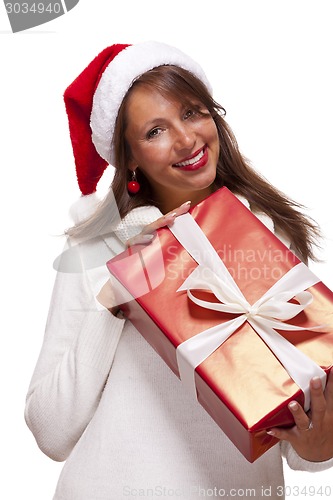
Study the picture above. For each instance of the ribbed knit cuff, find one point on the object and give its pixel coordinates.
(295, 462)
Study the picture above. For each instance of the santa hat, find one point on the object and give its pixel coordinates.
(93, 100)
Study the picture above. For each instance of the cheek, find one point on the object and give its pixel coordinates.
(155, 153)
(212, 132)
(207, 131)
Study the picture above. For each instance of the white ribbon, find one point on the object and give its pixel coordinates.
(265, 315)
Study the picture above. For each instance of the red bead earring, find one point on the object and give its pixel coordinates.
(133, 186)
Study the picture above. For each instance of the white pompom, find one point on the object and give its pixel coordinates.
(84, 207)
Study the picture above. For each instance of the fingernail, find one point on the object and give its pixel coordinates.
(146, 237)
(187, 203)
(170, 216)
(293, 406)
(271, 433)
(316, 382)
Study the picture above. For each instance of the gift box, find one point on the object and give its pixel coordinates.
(233, 313)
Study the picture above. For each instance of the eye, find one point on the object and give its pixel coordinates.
(195, 111)
(189, 113)
(154, 133)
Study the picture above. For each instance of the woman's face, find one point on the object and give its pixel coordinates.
(176, 148)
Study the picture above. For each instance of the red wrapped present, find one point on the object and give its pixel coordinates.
(233, 313)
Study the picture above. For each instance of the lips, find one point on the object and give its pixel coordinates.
(195, 161)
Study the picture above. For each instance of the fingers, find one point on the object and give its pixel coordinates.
(318, 408)
(280, 433)
(183, 209)
(140, 239)
(318, 402)
(301, 419)
(106, 296)
(147, 234)
(329, 392)
(302, 423)
(167, 218)
(158, 223)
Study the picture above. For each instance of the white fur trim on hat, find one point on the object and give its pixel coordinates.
(84, 207)
(118, 77)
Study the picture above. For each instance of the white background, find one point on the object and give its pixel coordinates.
(270, 63)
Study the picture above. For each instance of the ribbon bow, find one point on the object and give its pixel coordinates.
(267, 314)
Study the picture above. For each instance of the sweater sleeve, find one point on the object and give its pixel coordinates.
(73, 366)
(295, 462)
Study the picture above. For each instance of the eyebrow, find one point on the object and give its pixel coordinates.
(150, 123)
(147, 126)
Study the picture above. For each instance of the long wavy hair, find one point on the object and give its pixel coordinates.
(233, 170)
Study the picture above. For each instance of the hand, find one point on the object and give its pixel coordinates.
(312, 436)
(147, 233)
(106, 295)
(107, 299)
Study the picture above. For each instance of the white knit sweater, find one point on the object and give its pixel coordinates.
(102, 399)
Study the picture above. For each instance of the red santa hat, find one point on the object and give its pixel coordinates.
(92, 101)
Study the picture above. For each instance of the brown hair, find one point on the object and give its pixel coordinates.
(233, 170)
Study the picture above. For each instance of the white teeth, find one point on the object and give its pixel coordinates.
(191, 161)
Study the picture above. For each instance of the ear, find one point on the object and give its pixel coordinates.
(132, 165)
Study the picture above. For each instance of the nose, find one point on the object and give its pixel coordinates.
(185, 137)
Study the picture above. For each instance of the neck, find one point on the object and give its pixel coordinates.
(168, 205)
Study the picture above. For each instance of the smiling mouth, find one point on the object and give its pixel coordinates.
(193, 160)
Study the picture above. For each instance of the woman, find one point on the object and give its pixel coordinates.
(100, 397)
